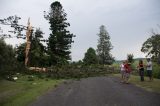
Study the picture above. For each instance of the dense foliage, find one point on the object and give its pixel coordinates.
(152, 47)
(60, 38)
(130, 58)
(76, 71)
(37, 56)
(90, 57)
(38, 53)
(8, 63)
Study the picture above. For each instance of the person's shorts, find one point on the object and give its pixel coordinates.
(149, 73)
(122, 72)
(127, 75)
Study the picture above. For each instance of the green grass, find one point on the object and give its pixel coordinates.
(153, 86)
(23, 92)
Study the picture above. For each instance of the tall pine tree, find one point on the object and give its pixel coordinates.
(104, 47)
(60, 39)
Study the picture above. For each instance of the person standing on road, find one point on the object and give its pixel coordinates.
(149, 69)
(127, 67)
(141, 70)
(122, 71)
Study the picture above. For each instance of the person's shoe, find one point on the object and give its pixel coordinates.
(127, 82)
(122, 81)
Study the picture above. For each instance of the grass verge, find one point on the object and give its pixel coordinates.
(153, 86)
(23, 92)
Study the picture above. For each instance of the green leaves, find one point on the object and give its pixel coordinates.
(37, 56)
(7, 58)
(104, 47)
(130, 58)
(60, 39)
(152, 46)
(90, 57)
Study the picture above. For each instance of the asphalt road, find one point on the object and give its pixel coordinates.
(98, 91)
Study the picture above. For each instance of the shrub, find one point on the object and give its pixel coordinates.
(156, 70)
(8, 63)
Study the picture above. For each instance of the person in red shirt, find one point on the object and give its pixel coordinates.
(127, 67)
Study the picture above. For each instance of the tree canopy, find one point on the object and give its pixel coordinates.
(152, 47)
(8, 63)
(104, 47)
(130, 58)
(90, 57)
(60, 39)
(38, 55)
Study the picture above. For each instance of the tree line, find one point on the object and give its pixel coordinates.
(57, 52)
(102, 54)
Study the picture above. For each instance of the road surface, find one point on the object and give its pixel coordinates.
(98, 91)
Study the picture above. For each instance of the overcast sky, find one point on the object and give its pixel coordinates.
(129, 22)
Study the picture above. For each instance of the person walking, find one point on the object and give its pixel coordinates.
(149, 69)
(127, 67)
(122, 71)
(141, 70)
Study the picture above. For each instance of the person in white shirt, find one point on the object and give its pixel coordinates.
(149, 69)
(122, 71)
